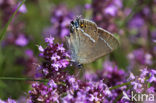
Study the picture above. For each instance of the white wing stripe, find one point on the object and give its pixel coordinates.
(88, 36)
(106, 43)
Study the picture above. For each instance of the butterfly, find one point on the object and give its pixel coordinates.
(88, 42)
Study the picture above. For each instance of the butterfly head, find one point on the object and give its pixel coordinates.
(75, 23)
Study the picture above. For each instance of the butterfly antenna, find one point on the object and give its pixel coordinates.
(78, 17)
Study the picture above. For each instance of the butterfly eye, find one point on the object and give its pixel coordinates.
(72, 22)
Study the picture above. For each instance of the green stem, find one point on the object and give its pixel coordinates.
(22, 79)
(120, 85)
(9, 21)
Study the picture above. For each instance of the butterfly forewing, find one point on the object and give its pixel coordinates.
(89, 28)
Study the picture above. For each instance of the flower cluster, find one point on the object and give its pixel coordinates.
(97, 87)
(104, 10)
(138, 23)
(139, 27)
(43, 93)
(111, 74)
(93, 90)
(69, 90)
(145, 82)
(62, 86)
(60, 21)
(141, 57)
(55, 59)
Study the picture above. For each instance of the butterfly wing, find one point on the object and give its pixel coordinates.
(79, 44)
(105, 44)
(90, 28)
(86, 45)
(108, 38)
(73, 44)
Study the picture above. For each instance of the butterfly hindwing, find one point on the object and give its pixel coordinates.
(105, 44)
(108, 38)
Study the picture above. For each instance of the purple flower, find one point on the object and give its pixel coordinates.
(56, 65)
(137, 86)
(113, 7)
(103, 15)
(144, 72)
(88, 6)
(23, 9)
(40, 48)
(29, 53)
(61, 48)
(146, 11)
(55, 56)
(131, 77)
(60, 20)
(11, 100)
(152, 79)
(52, 84)
(64, 32)
(118, 3)
(45, 71)
(151, 90)
(140, 82)
(141, 57)
(108, 92)
(111, 10)
(8, 101)
(136, 22)
(43, 93)
(1, 101)
(127, 11)
(49, 40)
(64, 63)
(21, 40)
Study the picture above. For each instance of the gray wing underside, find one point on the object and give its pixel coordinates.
(85, 52)
(90, 28)
(78, 44)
